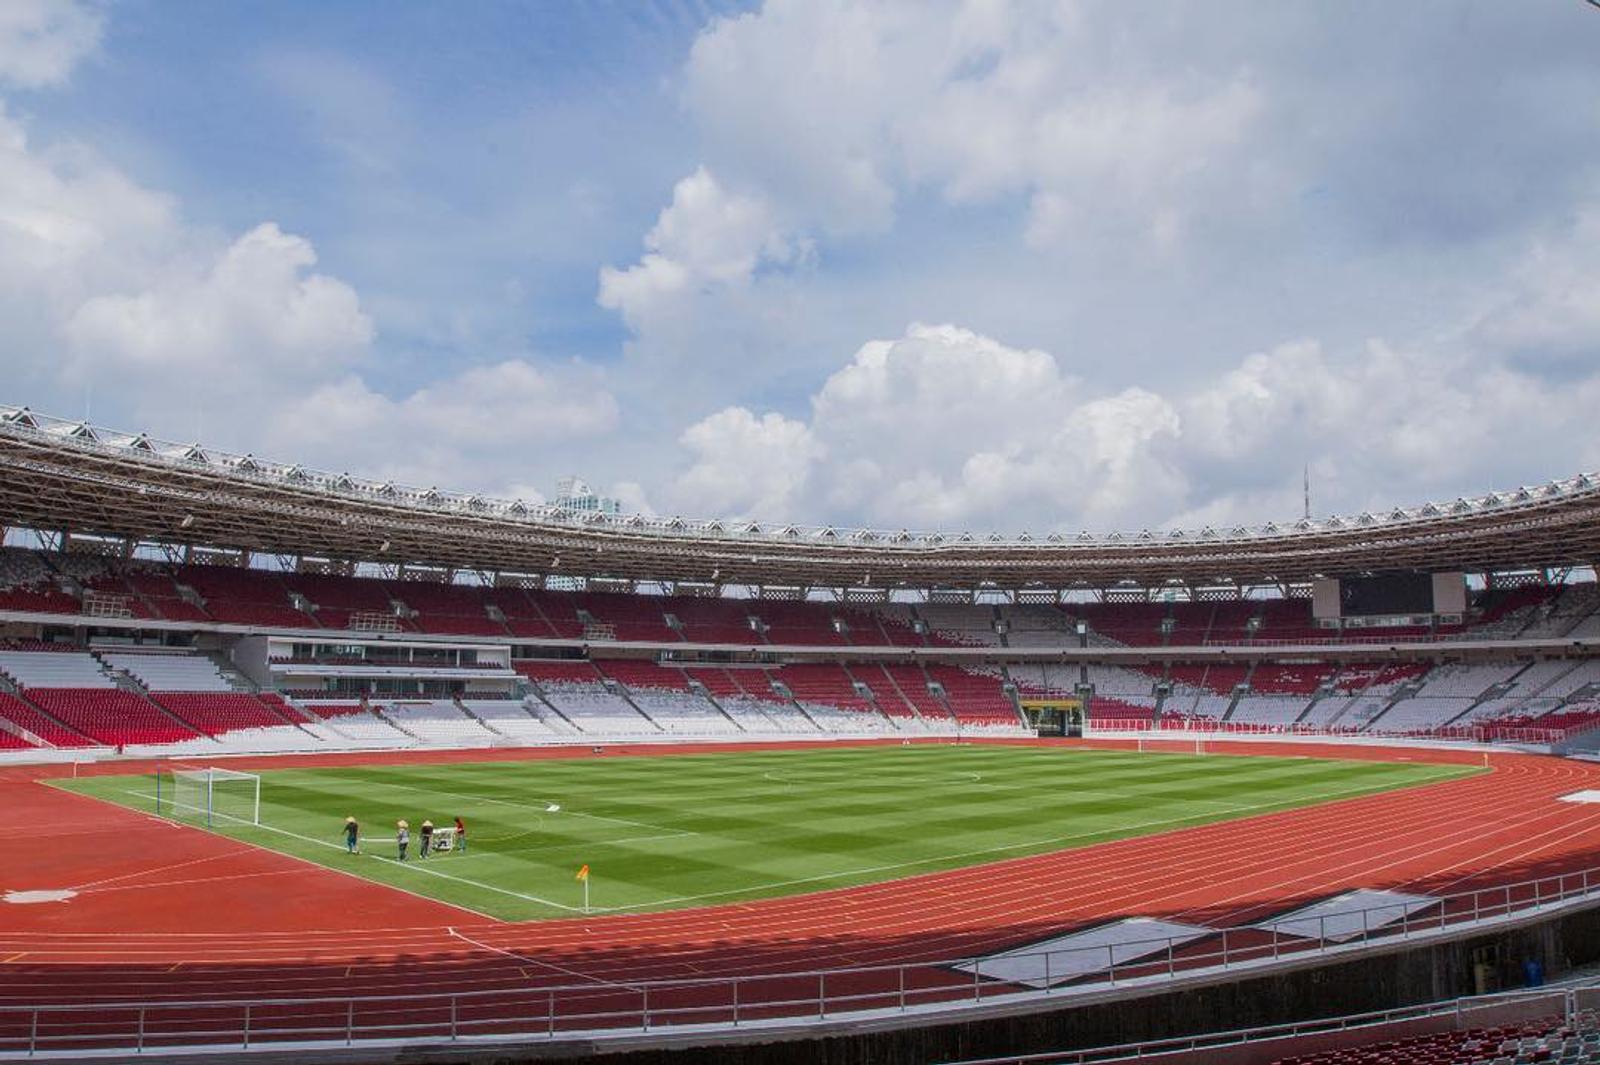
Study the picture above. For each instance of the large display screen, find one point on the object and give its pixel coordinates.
(1387, 593)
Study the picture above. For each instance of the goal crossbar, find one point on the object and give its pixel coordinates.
(214, 793)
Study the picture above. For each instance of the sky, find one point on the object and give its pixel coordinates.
(983, 265)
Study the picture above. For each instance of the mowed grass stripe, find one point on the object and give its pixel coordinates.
(660, 833)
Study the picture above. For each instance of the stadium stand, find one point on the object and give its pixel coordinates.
(664, 695)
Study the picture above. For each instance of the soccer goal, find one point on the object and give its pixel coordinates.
(1172, 744)
(210, 795)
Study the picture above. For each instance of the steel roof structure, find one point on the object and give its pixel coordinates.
(70, 476)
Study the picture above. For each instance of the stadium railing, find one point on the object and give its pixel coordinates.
(599, 1009)
(1554, 1007)
(1216, 728)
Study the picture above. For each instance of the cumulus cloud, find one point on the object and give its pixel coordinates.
(41, 41)
(105, 289)
(742, 463)
(952, 429)
(707, 237)
(254, 312)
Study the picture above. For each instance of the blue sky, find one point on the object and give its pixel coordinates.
(967, 264)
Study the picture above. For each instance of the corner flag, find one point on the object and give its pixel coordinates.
(583, 874)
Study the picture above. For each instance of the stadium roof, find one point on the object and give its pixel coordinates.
(63, 475)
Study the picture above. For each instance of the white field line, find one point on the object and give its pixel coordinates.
(514, 956)
(320, 865)
(766, 886)
(147, 872)
(1000, 849)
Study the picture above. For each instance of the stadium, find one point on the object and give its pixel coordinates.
(719, 791)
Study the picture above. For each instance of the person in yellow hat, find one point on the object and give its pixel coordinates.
(352, 835)
(402, 837)
(427, 838)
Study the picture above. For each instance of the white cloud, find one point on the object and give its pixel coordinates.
(253, 314)
(1551, 311)
(473, 430)
(837, 110)
(41, 41)
(105, 289)
(951, 429)
(708, 237)
(742, 463)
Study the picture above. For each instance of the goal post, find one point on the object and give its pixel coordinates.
(1168, 743)
(211, 794)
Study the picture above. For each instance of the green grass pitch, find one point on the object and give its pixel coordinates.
(700, 829)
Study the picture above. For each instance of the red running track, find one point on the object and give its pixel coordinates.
(165, 912)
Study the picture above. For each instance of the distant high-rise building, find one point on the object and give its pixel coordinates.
(574, 493)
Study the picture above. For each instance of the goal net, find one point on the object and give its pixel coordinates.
(1172, 744)
(211, 795)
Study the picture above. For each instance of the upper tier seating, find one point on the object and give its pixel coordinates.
(707, 620)
(337, 598)
(960, 625)
(453, 609)
(896, 625)
(806, 624)
(245, 596)
(1037, 626)
(27, 584)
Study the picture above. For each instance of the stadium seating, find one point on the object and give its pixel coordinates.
(364, 725)
(746, 696)
(1522, 1044)
(451, 609)
(26, 584)
(707, 620)
(52, 732)
(170, 672)
(111, 716)
(437, 723)
(509, 719)
(827, 693)
(976, 700)
(663, 694)
(577, 692)
(799, 624)
(245, 597)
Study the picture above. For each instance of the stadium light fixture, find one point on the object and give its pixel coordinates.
(188, 520)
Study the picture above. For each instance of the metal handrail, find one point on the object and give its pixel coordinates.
(598, 1008)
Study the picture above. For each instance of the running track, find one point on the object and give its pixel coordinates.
(165, 912)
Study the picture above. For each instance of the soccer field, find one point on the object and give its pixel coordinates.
(701, 829)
